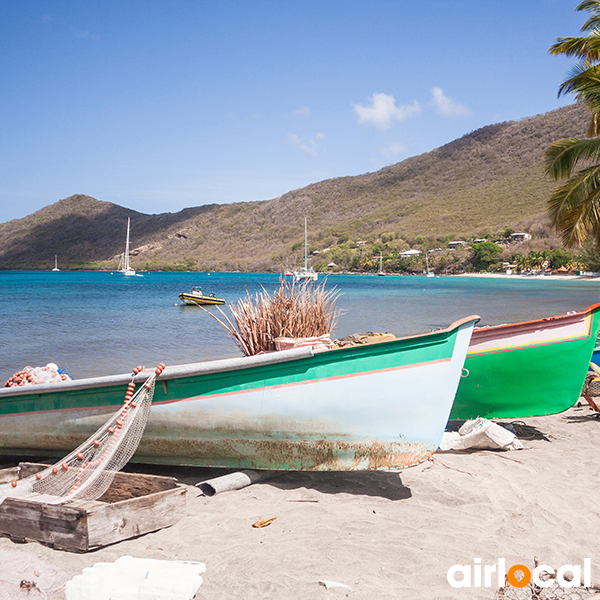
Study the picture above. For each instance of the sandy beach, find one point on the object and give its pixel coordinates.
(382, 534)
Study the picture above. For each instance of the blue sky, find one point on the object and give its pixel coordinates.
(162, 105)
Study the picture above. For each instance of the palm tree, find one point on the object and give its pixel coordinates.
(574, 208)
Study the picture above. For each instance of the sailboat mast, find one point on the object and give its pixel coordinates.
(127, 246)
(305, 244)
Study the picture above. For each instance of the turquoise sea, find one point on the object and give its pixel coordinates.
(97, 323)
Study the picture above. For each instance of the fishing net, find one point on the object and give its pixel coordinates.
(87, 472)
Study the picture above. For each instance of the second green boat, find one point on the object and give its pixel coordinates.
(527, 369)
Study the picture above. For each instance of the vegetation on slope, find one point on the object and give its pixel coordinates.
(482, 185)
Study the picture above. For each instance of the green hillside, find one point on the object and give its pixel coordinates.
(475, 186)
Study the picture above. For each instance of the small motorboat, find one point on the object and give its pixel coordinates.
(195, 296)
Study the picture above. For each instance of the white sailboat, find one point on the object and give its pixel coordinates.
(429, 273)
(304, 273)
(124, 263)
(381, 271)
(56, 263)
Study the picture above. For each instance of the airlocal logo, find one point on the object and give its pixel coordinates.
(474, 575)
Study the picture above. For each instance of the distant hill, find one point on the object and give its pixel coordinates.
(487, 180)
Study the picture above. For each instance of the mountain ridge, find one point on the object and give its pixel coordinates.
(482, 182)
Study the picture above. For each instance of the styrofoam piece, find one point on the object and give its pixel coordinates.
(130, 578)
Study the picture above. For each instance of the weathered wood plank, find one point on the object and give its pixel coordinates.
(134, 504)
(60, 525)
(130, 518)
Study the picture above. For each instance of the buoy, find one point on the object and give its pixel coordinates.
(80, 456)
(65, 466)
(54, 470)
(13, 483)
(111, 430)
(96, 443)
(38, 475)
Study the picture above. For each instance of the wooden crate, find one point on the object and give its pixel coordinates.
(133, 505)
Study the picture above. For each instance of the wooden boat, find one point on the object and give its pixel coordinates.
(195, 296)
(527, 369)
(375, 406)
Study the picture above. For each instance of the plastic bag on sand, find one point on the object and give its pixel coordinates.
(130, 578)
(321, 342)
(480, 434)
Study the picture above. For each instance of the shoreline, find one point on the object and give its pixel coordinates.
(526, 277)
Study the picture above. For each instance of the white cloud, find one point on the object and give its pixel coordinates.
(446, 106)
(308, 146)
(303, 111)
(383, 111)
(394, 149)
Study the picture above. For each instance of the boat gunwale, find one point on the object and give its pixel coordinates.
(222, 365)
(590, 309)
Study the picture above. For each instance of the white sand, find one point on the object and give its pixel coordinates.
(385, 534)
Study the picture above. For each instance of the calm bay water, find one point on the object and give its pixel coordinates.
(98, 323)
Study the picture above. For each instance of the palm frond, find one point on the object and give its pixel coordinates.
(583, 80)
(564, 156)
(586, 48)
(574, 208)
(592, 6)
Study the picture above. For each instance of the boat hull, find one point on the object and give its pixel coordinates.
(377, 406)
(527, 369)
(192, 299)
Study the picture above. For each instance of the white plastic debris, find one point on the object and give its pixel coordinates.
(480, 434)
(131, 578)
(333, 584)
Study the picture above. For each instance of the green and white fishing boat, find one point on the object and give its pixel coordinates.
(527, 369)
(377, 406)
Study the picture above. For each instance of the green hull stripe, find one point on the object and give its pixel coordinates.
(323, 365)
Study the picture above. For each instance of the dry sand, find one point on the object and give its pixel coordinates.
(383, 534)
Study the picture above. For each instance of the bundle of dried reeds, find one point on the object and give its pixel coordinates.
(293, 311)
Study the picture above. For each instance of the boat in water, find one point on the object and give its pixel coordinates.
(195, 297)
(124, 262)
(381, 272)
(374, 406)
(56, 263)
(527, 369)
(305, 273)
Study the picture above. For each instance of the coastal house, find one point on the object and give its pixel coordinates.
(520, 237)
(410, 253)
(456, 244)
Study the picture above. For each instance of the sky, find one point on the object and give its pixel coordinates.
(161, 105)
